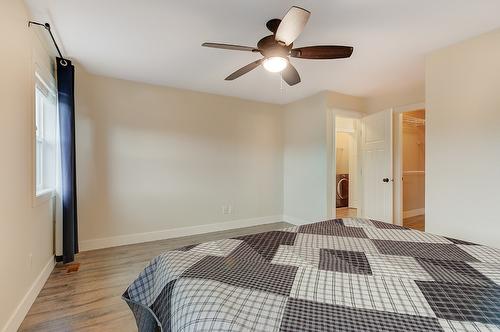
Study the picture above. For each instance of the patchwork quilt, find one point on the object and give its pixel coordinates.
(337, 275)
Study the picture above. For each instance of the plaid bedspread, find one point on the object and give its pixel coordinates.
(337, 275)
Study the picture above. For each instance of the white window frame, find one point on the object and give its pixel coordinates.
(45, 85)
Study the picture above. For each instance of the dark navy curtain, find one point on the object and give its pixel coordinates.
(66, 101)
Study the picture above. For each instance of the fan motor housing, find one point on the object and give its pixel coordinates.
(269, 47)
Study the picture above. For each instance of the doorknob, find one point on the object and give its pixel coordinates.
(385, 180)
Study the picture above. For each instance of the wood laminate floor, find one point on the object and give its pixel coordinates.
(346, 212)
(90, 299)
(417, 222)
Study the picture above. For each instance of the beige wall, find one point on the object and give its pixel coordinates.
(342, 152)
(406, 96)
(463, 140)
(153, 158)
(24, 229)
(147, 155)
(335, 100)
(305, 160)
(309, 165)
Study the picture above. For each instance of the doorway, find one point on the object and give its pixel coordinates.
(346, 172)
(412, 168)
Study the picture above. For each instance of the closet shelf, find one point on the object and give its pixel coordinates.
(413, 172)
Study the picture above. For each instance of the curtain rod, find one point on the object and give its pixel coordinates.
(47, 27)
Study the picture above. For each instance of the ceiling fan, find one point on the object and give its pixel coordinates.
(278, 47)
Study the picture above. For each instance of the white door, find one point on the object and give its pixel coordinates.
(376, 166)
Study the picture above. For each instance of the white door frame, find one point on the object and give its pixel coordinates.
(332, 113)
(398, 157)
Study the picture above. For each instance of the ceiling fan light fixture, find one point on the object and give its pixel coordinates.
(278, 48)
(275, 64)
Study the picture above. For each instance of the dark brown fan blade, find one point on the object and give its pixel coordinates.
(244, 70)
(292, 25)
(290, 75)
(322, 52)
(230, 47)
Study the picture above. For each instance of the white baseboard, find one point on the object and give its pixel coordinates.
(24, 306)
(413, 213)
(121, 240)
(295, 221)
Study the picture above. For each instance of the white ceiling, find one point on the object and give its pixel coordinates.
(158, 41)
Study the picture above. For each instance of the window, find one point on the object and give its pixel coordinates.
(45, 138)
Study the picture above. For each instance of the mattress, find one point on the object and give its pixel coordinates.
(337, 275)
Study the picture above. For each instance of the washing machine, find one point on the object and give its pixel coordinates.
(342, 190)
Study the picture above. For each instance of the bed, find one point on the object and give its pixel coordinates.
(337, 275)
